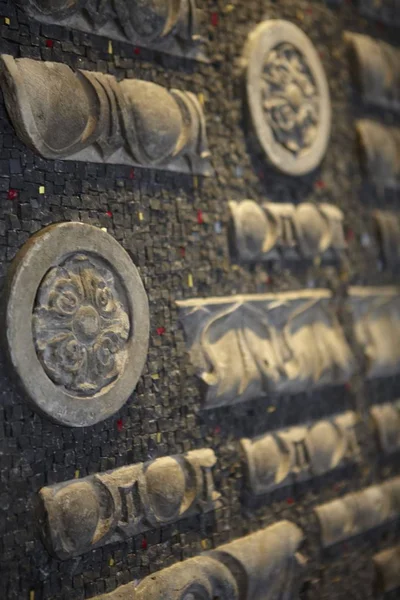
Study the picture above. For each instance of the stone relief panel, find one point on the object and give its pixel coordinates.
(76, 323)
(375, 69)
(170, 26)
(80, 515)
(386, 422)
(92, 117)
(299, 453)
(379, 148)
(275, 231)
(376, 313)
(387, 225)
(385, 11)
(244, 347)
(265, 565)
(387, 570)
(287, 94)
(357, 513)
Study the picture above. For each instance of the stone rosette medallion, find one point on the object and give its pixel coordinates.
(77, 323)
(287, 96)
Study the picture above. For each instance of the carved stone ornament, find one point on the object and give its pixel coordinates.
(170, 26)
(80, 515)
(246, 347)
(275, 231)
(386, 421)
(387, 570)
(387, 225)
(385, 11)
(265, 565)
(357, 513)
(287, 96)
(379, 148)
(376, 71)
(92, 117)
(76, 323)
(288, 456)
(376, 314)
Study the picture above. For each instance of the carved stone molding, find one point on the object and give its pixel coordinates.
(388, 235)
(76, 323)
(83, 514)
(385, 11)
(245, 347)
(287, 456)
(379, 152)
(387, 570)
(170, 26)
(287, 96)
(357, 513)
(376, 71)
(262, 566)
(386, 421)
(92, 117)
(275, 231)
(376, 314)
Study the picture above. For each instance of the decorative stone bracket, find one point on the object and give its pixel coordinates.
(386, 421)
(262, 566)
(92, 117)
(387, 225)
(379, 148)
(297, 454)
(387, 570)
(80, 515)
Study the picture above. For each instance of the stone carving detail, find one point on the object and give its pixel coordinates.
(357, 513)
(92, 117)
(387, 569)
(275, 231)
(377, 328)
(375, 66)
(386, 421)
(388, 232)
(87, 513)
(248, 346)
(82, 355)
(287, 456)
(379, 153)
(170, 26)
(385, 11)
(287, 96)
(265, 565)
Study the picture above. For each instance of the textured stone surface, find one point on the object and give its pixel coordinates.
(77, 516)
(388, 232)
(283, 231)
(76, 323)
(379, 153)
(387, 12)
(286, 456)
(287, 96)
(386, 421)
(387, 570)
(90, 116)
(260, 566)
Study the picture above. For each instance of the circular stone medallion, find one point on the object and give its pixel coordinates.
(77, 323)
(287, 96)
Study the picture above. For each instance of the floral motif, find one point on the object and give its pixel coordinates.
(80, 325)
(290, 98)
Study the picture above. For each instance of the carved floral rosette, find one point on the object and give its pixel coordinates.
(92, 117)
(80, 515)
(265, 565)
(245, 347)
(171, 26)
(287, 96)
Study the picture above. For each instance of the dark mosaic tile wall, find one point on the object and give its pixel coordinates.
(174, 228)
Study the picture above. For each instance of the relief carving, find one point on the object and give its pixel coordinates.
(385, 11)
(83, 514)
(92, 117)
(357, 513)
(275, 231)
(261, 566)
(376, 313)
(299, 453)
(386, 421)
(375, 69)
(287, 96)
(245, 347)
(379, 147)
(387, 226)
(387, 570)
(170, 26)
